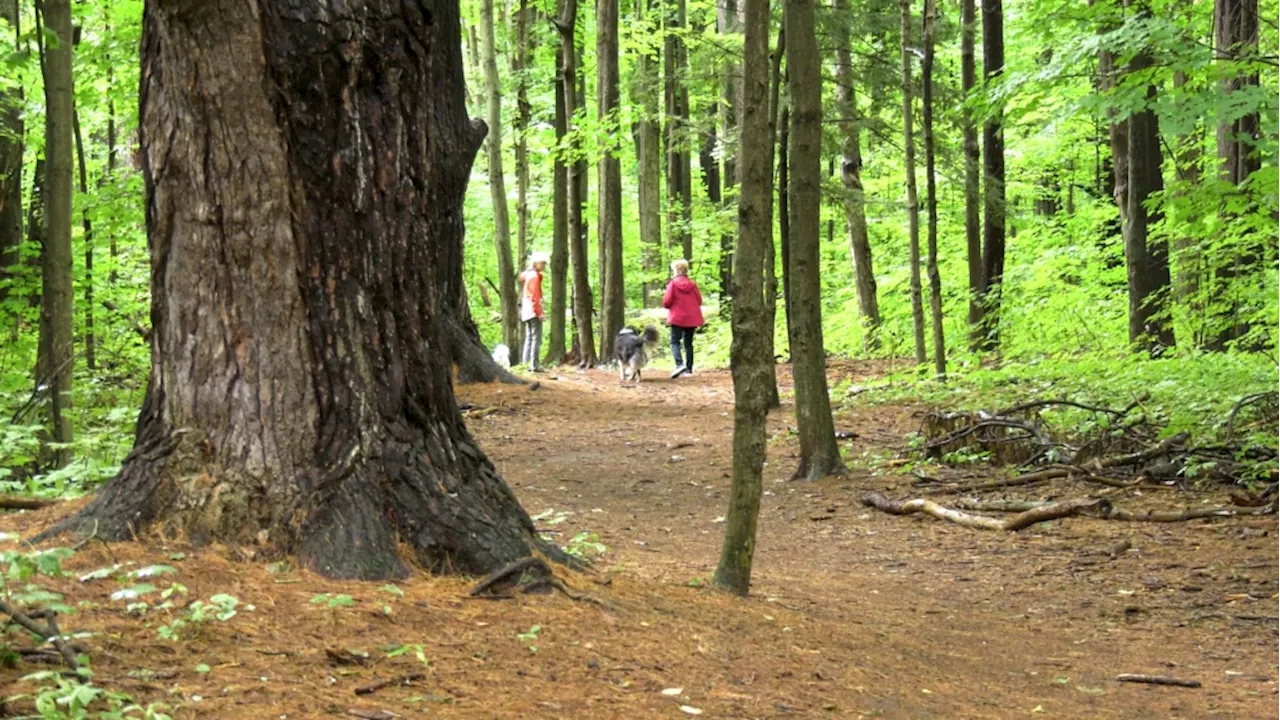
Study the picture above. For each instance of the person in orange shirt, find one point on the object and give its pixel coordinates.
(531, 310)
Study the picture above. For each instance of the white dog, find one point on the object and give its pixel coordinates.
(502, 356)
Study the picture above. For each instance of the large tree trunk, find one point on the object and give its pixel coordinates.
(612, 297)
(585, 335)
(913, 201)
(303, 220)
(748, 352)
(784, 205)
(993, 196)
(1235, 41)
(57, 289)
(855, 216)
(559, 227)
(819, 455)
(774, 400)
(497, 181)
(972, 158)
(931, 194)
(1147, 257)
(679, 190)
(11, 148)
(649, 161)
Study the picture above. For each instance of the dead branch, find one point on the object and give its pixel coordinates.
(501, 581)
(1241, 403)
(1157, 680)
(1012, 524)
(24, 502)
(1014, 506)
(1183, 515)
(401, 680)
(49, 633)
(1037, 404)
(1031, 432)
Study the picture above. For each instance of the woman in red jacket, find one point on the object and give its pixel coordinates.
(684, 314)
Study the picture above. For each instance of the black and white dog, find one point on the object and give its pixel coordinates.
(630, 349)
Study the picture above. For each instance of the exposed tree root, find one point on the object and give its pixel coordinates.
(1184, 515)
(1020, 521)
(1157, 680)
(529, 575)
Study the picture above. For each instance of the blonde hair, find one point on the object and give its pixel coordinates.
(680, 267)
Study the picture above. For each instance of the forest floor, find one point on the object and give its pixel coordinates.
(853, 613)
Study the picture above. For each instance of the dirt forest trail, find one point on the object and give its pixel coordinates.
(853, 613)
(908, 617)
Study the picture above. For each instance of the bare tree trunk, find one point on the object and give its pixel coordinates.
(524, 113)
(11, 148)
(931, 193)
(679, 192)
(649, 159)
(56, 294)
(993, 197)
(296, 365)
(972, 191)
(729, 19)
(1147, 257)
(855, 216)
(819, 454)
(585, 336)
(784, 206)
(913, 201)
(612, 296)
(1239, 156)
(749, 361)
(559, 226)
(90, 340)
(497, 182)
(1187, 258)
(771, 261)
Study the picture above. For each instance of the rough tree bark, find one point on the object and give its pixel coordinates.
(585, 335)
(559, 228)
(774, 400)
(609, 230)
(647, 90)
(993, 196)
(497, 181)
(1146, 256)
(783, 133)
(972, 191)
(304, 201)
(524, 116)
(819, 454)
(57, 288)
(749, 361)
(855, 216)
(913, 200)
(931, 194)
(729, 19)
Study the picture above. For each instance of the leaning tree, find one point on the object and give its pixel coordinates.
(305, 165)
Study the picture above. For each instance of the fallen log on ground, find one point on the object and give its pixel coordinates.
(1017, 522)
(1157, 680)
(23, 502)
(1184, 515)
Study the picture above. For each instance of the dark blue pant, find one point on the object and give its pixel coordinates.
(682, 335)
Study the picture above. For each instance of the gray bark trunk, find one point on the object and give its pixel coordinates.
(913, 201)
(819, 454)
(582, 313)
(11, 149)
(972, 159)
(931, 194)
(612, 296)
(559, 228)
(647, 91)
(497, 182)
(993, 196)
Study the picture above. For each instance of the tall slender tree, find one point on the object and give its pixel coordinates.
(819, 454)
(57, 287)
(1235, 41)
(931, 191)
(609, 231)
(646, 93)
(582, 313)
(524, 116)
(497, 181)
(854, 202)
(729, 19)
(972, 184)
(559, 226)
(749, 361)
(679, 186)
(11, 150)
(86, 224)
(1146, 255)
(993, 194)
(913, 202)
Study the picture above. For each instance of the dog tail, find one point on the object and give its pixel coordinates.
(651, 334)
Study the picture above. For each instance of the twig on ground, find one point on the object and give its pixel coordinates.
(49, 633)
(401, 680)
(1157, 680)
